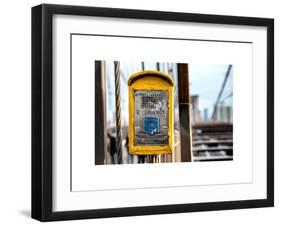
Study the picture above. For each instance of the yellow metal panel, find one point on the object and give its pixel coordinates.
(151, 80)
(155, 73)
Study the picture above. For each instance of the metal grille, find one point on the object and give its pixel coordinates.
(148, 101)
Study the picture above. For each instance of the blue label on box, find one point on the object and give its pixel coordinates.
(151, 124)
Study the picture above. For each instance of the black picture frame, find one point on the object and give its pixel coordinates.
(42, 111)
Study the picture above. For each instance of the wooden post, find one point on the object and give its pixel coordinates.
(100, 113)
(184, 113)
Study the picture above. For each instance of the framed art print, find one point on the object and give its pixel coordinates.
(146, 112)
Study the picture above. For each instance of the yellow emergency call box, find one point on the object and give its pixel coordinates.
(151, 113)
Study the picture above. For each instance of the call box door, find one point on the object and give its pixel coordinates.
(151, 117)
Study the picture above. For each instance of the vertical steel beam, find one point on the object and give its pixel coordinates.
(158, 66)
(184, 113)
(100, 113)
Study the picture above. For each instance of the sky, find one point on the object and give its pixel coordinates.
(206, 81)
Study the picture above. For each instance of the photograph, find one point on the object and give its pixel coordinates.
(140, 112)
(165, 112)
